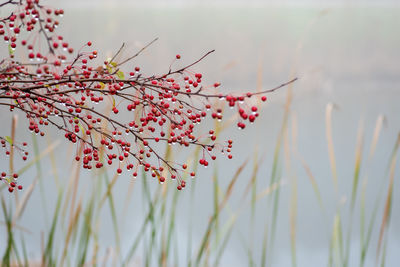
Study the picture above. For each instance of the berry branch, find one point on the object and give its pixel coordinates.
(94, 106)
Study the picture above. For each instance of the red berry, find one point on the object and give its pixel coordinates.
(252, 118)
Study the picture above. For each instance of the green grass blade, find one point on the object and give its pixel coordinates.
(85, 234)
(7, 254)
(221, 205)
(388, 204)
(48, 258)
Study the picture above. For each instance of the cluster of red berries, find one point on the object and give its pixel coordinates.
(12, 179)
(118, 120)
(32, 16)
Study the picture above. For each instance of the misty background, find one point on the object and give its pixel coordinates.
(343, 52)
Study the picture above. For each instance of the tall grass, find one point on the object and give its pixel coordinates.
(72, 225)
